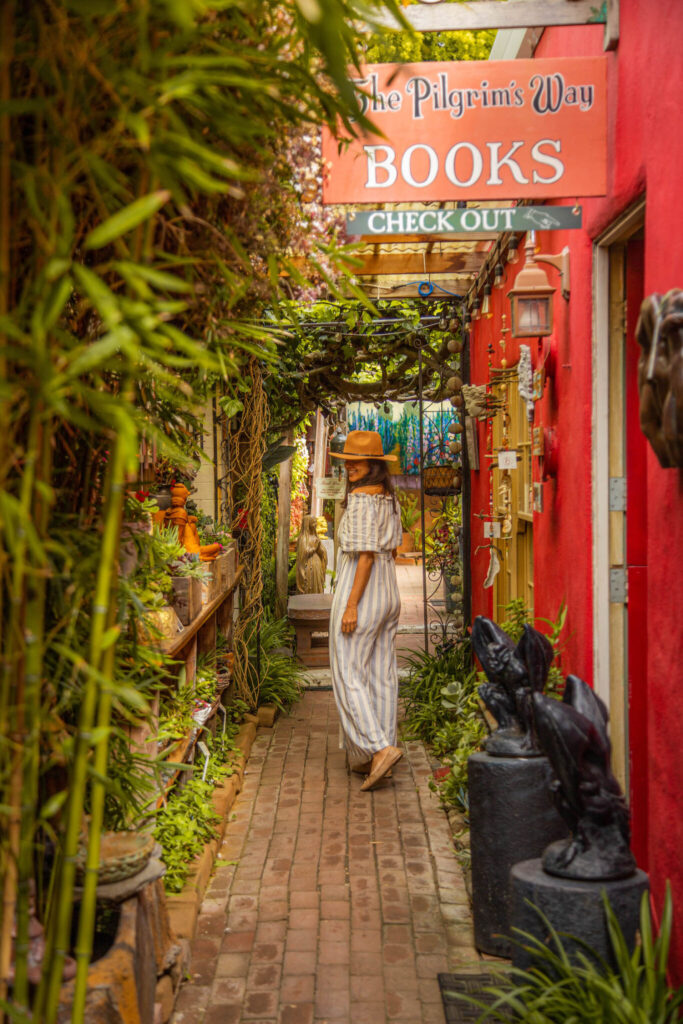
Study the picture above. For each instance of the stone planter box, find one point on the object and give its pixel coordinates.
(187, 598)
(144, 961)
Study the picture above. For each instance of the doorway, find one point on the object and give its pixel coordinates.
(513, 504)
(620, 504)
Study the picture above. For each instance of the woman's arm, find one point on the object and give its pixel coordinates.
(360, 582)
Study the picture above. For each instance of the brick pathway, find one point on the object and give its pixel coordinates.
(328, 904)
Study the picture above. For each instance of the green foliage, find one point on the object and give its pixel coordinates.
(151, 580)
(411, 47)
(269, 526)
(333, 352)
(405, 48)
(458, 739)
(517, 615)
(583, 990)
(275, 676)
(410, 513)
(188, 820)
(424, 713)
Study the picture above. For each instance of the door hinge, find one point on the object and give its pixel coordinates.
(618, 586)
(617, 494)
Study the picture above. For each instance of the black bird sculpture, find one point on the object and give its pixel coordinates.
(572, 733)
(514, 672)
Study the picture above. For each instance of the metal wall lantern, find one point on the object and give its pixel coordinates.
(531, 298)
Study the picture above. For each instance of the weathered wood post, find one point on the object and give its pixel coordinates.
(284, 502)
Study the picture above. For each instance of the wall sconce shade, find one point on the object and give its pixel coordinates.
(498, 275)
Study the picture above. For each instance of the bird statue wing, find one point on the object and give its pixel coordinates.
(537, 653)
(564, 735)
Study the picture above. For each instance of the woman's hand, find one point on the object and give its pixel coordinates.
(349, 619)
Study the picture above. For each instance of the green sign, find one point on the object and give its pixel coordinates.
(468, 221)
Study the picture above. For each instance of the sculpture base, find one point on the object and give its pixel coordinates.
(574, 907)
(512, 818)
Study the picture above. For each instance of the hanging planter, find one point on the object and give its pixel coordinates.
(439, 480)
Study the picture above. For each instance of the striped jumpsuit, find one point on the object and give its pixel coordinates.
(364, 674)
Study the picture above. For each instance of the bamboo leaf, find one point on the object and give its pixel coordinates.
(52, 805)
(127, 219)
(158, 278)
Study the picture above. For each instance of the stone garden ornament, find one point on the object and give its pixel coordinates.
(514, 672)
(572, 733)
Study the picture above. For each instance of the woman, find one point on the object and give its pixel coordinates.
(365, 610)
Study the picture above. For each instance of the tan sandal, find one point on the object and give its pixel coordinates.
(366, 768)
(382, 763)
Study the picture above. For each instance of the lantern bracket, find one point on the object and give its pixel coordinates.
(561, 263)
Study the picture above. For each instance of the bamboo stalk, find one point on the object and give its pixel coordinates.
(30, 737)
(6, 54)
(47, 1001)
(13, 724)
(86, 921)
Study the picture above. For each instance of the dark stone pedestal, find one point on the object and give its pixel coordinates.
(512, 818)
(574, 907)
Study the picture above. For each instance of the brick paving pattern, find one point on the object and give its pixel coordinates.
(328, 904)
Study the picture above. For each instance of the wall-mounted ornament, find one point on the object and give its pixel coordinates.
(538, 497)
(660, 375)
(480, 403)
(472, 442)
(538, 384)
(537, 442)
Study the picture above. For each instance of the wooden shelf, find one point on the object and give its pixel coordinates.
(175, 646)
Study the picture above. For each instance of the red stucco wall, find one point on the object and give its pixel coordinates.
(645, 158)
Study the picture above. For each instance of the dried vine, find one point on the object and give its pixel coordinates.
(247, 446)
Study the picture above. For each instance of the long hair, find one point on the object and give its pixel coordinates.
(378, 473)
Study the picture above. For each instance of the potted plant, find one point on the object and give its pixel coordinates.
(138, 510)
(410, 516)
(152, 581)
(187, 575)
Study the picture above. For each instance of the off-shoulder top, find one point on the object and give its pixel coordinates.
(372, 522)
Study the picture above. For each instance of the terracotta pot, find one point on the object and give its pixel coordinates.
(408, 543)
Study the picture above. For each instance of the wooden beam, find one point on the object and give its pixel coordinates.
(417, 263)
(463, 236)
(449, 17)
(410, 291)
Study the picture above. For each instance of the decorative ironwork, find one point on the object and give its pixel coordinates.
(441, 476)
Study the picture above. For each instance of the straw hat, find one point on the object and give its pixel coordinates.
(363, 444)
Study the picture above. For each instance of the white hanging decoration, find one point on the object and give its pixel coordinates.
(494, 567)
(525, 377)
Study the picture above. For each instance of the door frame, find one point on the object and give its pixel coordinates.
(617, 233)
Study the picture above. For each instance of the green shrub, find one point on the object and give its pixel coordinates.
(188, 821)
(420, 693)
(274, 675)
(585, 990)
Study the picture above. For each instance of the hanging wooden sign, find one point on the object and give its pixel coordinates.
(486, 130)
(468, 221)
